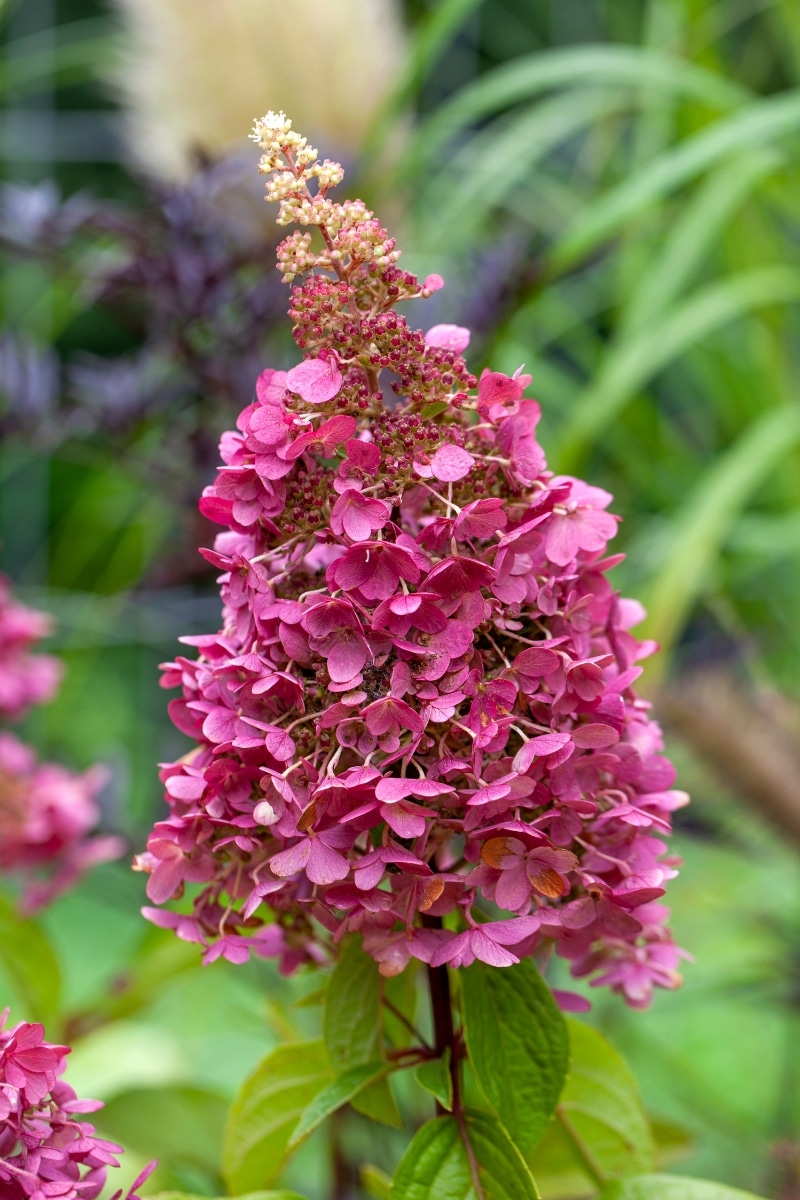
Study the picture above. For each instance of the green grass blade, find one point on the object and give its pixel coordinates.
(530, 75)
(696, 229)
(431, 37)
(634, 362)
(497, 160)
(760, 122)
(702, 525)
(82, 47)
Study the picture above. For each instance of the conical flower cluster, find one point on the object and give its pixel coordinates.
(418, 720)
(46, 811)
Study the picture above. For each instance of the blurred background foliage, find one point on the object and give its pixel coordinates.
(612, 191)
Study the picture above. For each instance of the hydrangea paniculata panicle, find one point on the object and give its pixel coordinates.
(47, 1152)
(421, 704)
(46, 811)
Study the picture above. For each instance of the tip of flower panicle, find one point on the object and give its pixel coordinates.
(271, 125)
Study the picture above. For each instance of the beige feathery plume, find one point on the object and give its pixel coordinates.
(194, 73)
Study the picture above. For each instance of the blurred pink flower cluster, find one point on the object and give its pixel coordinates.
(46, 811)
(46, 1151)
(419, 719)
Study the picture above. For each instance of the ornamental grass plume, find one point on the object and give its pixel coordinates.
(184, 104)
(418, 720)
(46, 811)
(46, 1151)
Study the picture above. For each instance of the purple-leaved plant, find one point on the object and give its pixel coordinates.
(419, 720)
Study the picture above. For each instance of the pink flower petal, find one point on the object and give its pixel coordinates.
(317, 380)
(448, 337)
(451, 463)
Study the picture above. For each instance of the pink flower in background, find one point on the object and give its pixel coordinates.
(47, 813)
(422, 690)
(25, 679)
(45, 1149)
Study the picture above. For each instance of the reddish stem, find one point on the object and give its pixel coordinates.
(443, 1029)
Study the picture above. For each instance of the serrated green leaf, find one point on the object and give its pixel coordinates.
(672, 1187)
(518, 1045)
(600, 1110)
(402, 992)
(436, 1166)
(556, 1169)
(342, 1091)
(168, 1123)
(313, 999)
(30, 963)
(375, 1182)
(266, 1110)
(560, 1174)
(352, 1026)
(435, 1077)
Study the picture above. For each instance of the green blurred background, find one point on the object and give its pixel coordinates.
(612, 191)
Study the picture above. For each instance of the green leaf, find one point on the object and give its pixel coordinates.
(171, 1124)
(673, 1142)
(430, 411)
(266, 1110)
(341, 1091)
(675, 1187)
(435, 1077)
(248, 1196)
(352, 1026)
(600, 1111)
(375, 1182)
(518, 1045)
(30, 963)
(402, 993)
(436, 1166)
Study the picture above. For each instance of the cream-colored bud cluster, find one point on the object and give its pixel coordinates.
(302, 209)
(295, 256)
(274, 134)
(281, 185)
(367, 241)
(351, 233)
(348, 215)
(329, 174)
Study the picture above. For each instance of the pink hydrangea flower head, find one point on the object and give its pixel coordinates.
(46, 1150)
(421, 701)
